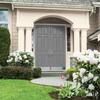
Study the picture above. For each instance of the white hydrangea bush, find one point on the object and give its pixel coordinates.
(88, 75)
(24, 59)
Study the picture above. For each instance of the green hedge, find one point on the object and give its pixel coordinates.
(4, 45)
(15, 73)
(37, 72)
(19, 73)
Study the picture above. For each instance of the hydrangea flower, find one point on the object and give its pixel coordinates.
(91, 87)
(95, 78)
(98, 66)
(9, 60)
(25, 56)
(82, 71)
(84, 79)
(75, 76)
(90, 76)
(20, 58)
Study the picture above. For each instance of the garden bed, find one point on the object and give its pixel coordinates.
(55, 96)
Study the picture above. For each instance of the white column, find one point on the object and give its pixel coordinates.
(76, 40)
(72, 39)
(28, 39)
(83, 40)
(20, 39)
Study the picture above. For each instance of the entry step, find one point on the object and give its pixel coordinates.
(53, 73)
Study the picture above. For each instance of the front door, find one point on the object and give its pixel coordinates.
(50, 46)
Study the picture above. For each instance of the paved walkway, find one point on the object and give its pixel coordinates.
(52, 81)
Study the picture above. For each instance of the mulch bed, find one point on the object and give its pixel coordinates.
(55, 96)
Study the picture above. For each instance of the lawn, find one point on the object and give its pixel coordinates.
(23, 90)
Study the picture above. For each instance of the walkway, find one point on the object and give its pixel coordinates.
(52, 81)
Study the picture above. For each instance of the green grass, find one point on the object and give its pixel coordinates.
(23, 90)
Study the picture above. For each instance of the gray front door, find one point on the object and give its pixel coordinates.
(50, 46)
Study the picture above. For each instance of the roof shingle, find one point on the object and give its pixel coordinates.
(71, 2)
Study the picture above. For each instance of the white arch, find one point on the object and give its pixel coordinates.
(54, 16)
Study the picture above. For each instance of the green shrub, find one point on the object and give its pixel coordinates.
(70, 90)
(70, 72)
(16, 73)
(37, 72)
(4, 45)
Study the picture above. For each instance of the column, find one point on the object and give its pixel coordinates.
(83, 40)
(29, 39)
(72, 39)
(20, 39)
(76, 40)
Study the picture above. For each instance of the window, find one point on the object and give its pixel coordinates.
(3, 18)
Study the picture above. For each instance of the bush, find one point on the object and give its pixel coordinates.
(4, 45)
(24, 59)
(37, 72)
(88, 64)
(15, 73)
(70, 90)
(70, 72)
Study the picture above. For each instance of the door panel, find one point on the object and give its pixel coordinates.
(50, 46)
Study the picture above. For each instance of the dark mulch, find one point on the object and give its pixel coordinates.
(55, 96)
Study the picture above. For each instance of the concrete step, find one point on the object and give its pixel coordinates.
(52, 73)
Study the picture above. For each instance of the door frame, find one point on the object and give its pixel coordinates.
(65, 25)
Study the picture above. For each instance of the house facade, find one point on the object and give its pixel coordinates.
(53, 30)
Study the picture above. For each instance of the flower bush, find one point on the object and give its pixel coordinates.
(71, 90)
(24, 59)
(88, 74)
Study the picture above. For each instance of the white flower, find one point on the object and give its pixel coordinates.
(99, 66)
(20, 58)
(16, 59)
(95, 78)
(90, 76)
(27, 61)
(91, 87)
(82, 71)
(84, 79)
(96, 52)
(93, 60)
(89, 94)
(25, 56)
(83, 58)
(9, 60)
(75, 76)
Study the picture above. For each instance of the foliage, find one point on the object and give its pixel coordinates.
(88, 73)
(37, 72)
(70, 72)
(71, 90)
(4, 45)
(24, 59)
(15, 73)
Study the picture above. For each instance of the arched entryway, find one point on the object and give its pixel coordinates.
(52, 39)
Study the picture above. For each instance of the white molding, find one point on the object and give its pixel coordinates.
(96, 4)
(52, 7)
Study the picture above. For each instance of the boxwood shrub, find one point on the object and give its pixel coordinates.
(4, 45)
(13, 72)
(37, 72)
